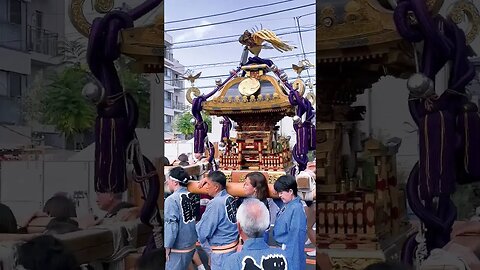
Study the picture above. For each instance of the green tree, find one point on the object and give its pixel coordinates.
(63, 105)
(183, 124)
(58, 99)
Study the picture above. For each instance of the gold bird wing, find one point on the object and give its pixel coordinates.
(269, 36)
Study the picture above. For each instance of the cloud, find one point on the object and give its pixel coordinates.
(195, 33)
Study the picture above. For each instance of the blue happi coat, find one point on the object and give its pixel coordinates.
(218, 227)
(290, 230)
(257, 255)
(180, 230)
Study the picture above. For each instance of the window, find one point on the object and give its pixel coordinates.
(15, 12)
(10, 84)
(15, 86)
(38, 16)
(168, 52)
(168, 119)
(168, 99)
(3, 11)
(168, 73)
(4, 83)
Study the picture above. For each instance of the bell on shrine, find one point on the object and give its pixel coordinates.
(420, 85)
(93, 92)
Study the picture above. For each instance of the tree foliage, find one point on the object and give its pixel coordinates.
(183, 123)
(57, 100)
(63, 104)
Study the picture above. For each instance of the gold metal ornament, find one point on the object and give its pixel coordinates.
(299, 85)
(302, 65)
(190, 77)
(192, 90)
(254, 41)
(311, 97)
(249, 86)
(466, 8)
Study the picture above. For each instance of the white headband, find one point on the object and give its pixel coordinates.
(175, 179)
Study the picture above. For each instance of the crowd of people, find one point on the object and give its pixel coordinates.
(60, 213)
(253, 231)
(233, 231)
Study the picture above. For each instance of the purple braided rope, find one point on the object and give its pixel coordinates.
(102, 51)
(408, 250)
(201, 127)
(305, 131)
(141, 10)
(438, 49)
(226, 127)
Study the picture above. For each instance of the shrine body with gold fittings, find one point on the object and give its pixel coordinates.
(256, 98)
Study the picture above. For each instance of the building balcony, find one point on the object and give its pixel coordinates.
(42, 41)
(177, 84)
(180, 106)
(169, 55)
(10, 110)
(11, 35)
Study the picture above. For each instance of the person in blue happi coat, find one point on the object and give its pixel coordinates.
(217, 229)
(180, 233)
(290, 228)
(253, 219)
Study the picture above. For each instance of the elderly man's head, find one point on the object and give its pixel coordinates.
(253, 219)
(106, 201)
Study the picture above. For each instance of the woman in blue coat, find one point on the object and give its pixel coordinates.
(291, 224)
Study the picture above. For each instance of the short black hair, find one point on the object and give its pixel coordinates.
(165, 161)
(60, 206)
(61, 225)
(218, 177)
(8, 222)
(180, 174)
(46, 252)
(285, 183)
(154, 260)
(183, 163)
(183, 157)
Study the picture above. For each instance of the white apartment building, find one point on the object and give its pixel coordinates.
(29, 35)
(174, 99)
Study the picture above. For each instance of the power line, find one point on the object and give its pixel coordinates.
(241, 19)
(230, 41)
(236, 61)
(301, 42)
(26, 136)
(193, 41)
(229, 12)
(14, 131)
(217, 76)
(230, 36)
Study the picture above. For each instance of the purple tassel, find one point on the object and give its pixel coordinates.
(226, 126)
(110, 148)
(200, 134)
(312, 137)
(469, 130)
(437, 147)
